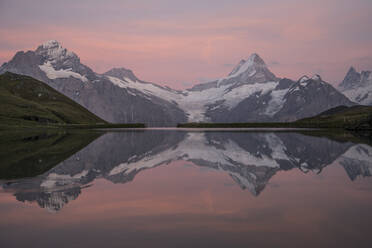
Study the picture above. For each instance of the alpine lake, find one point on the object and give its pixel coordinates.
(185, 188)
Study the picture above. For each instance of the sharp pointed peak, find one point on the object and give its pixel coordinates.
(351, 80)
(254, 56)
(351, 70)
(254, 60)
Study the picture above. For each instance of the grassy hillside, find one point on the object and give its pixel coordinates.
(355, 117)
(25, 101)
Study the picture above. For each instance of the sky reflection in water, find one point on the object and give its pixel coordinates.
(169, 188)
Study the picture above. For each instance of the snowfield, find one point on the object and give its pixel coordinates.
(361, 95)
(52, 73)
(195, 103)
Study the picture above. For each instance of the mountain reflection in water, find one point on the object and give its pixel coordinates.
(251, 159)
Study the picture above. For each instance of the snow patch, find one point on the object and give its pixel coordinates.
(54, 178)
(52, 73)
(195, 103)
(276, 102)
(361, 95)
(50, 44)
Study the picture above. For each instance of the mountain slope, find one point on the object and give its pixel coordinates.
(357, 86)
(355, 117)
(309, 97)
(282, 100)
(27, 100)
(63, 71)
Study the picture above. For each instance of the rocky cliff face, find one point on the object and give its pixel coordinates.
(357, 86)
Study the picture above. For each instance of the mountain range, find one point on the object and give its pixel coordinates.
(249, 93)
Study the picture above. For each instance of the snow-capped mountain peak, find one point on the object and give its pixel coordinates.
(351, 80)
(50, 44)
(351, 70)
(357, 86)
(255, 59)
(54, 52)
(58, 62)
(249, 71)
(248, 66)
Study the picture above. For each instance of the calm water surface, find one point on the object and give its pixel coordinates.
(168, 188)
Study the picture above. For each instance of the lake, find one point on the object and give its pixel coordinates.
(185, 188)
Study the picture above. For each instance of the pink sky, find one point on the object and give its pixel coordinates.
(181, 43)
(173, 202)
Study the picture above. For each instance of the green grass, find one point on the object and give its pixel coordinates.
(31, 153)
(29, 103)
(352, 118)
(24, 99)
